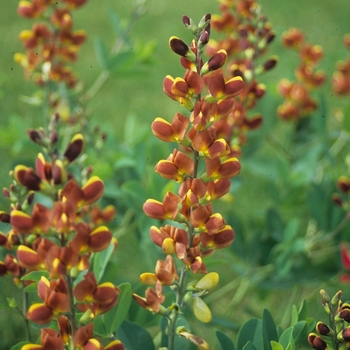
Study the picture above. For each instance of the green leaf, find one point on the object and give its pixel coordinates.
(295, 315)
(225, 342)
(9, 308)
(121, 62)
(303, 311)
(101, 53)
(114, 317)
(19, 345)
(134, 337)
(291, 230)
(249, 346)
(101, 260)
(99, 328)
(35, 276)
(135, 193)
(33, 287)
(251, 331)
(269, 331)
(287, 337)
(276, 346)
(301, 329)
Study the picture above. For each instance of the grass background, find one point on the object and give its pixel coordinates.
(324, 22)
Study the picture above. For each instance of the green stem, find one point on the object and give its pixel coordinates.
(25, 307)
(73, 320)
(175, 312)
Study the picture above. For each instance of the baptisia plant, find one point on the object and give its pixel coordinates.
(56, 229)
(202, 164)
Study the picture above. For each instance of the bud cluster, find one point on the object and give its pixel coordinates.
(297, 94)
(203, 166)
(337, 332)
(247, 36)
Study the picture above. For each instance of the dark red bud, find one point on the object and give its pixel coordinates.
(6, 192)
(186, 20)
(34, 135)
(269, 64)
(53, 137)
(204, 38)
(30, 198)
(4, 217)
(179, 47)
(271, 37)
(337, 200)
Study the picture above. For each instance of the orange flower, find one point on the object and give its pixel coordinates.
(88, 194)
(50, 339)
(168, 209)
(153, 298)
(100, 298)
(37, 222)
(174, 132)
(177, 166)
(87, 240)
(222, 170)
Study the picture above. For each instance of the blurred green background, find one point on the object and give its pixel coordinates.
(138, 96)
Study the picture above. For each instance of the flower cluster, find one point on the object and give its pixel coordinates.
(247, 35)
(203, 166)
(337, 332)
(297, 94)
(59, 241)
(51, 43)
(341, 76)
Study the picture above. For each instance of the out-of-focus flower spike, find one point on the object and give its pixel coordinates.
(207, 282)
(215, 62)
(74, 148)
(180, 48)
(92, 190)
